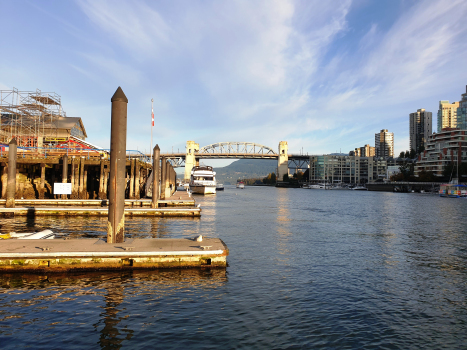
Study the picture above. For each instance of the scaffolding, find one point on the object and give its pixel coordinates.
(29, 116)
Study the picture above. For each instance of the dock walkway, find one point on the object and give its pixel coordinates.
(57, 255)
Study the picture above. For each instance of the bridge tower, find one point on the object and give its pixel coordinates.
(282, 161)
(190, 159)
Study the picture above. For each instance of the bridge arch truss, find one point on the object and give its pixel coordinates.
(237, 148)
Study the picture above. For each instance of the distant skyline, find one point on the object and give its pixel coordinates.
(323, 76)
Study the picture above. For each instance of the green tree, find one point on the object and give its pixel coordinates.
(412, 154)
(407, 154)
(270, 179)
(285, 178)
(427, 176)
(402, 155)
(406, 170)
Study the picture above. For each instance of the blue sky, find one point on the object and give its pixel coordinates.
(323, 75)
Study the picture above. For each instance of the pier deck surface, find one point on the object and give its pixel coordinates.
(98, 247)
(95, 254)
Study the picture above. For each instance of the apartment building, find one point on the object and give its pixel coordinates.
(448, 146)
(384, 144)
(420, 129)
(346, 169)
(365, 151)
(462, 112)
(447, 115)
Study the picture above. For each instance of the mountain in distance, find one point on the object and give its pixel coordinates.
(245, 169)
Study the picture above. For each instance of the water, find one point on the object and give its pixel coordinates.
(307, 269)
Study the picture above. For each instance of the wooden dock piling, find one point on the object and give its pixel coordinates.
(64, 172)
(155, 176)
(163, 177)
(116, 218)
(11, 186)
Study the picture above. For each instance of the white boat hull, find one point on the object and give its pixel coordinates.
(203, 189)
(46, 234)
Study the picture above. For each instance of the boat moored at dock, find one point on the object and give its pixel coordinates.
(203, 180)
(453, 190)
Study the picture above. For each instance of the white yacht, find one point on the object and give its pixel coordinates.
(203, 180)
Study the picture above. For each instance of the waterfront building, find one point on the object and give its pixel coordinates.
(384, 144)
(346, 169)
(447, 115)
(462, 112)
(365, 151)
(420, 129)
(37, 119)
(447, 147)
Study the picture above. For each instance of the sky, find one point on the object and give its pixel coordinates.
(325, 76)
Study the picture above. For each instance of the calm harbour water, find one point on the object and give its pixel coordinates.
(307, 269)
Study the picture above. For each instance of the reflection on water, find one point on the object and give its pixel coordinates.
(307, 269)
(120, 295)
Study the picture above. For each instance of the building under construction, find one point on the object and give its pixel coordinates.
(37, 119)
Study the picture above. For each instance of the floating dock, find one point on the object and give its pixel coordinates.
(90, 211)
(180, 204)
(61, 255)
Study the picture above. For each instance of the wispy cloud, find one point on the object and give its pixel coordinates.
(314, 73)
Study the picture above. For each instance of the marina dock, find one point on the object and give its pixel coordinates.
(121, 181)
(180, 204)
(59, 255)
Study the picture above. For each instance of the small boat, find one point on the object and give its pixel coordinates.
(320, 186)
(46, 234)
(240, 184)
(219, 187)
(359, 188)
(453, 190)
(203, 180)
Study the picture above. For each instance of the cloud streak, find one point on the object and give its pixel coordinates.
(320, 75)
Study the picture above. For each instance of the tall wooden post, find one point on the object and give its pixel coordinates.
(137, 175)
(163, 176)
(168, 177)
(101, 180)
(116, 218)
(85, 183)
(81, 179)
(11, 185)
(4, 179)
(106, 184)
(42, 185)
(72, 176)
(155, 175)
(64, 172)
(132, 178)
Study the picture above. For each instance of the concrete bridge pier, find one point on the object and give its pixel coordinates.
(282, 161)
(190, 160)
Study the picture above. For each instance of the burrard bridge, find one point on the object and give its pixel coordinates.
(251, 150)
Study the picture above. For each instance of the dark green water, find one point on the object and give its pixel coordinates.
(308, 269)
